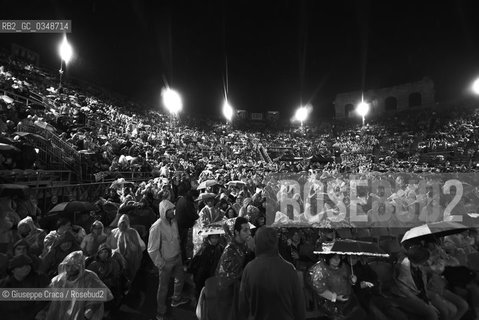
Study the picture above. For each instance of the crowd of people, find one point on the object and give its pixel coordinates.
(210, 208)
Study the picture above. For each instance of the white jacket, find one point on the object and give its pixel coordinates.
(164, 239)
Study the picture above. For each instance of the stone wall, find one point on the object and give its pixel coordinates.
(397, 98)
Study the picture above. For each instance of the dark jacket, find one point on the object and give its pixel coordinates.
(186, 214)
(270, 287)
(22, 309)
(204, 263)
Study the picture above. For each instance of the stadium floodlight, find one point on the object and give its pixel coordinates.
(475, 86)
(302, 114)
(66, 53)
(227, 110)
(171, 101)
(363, 109)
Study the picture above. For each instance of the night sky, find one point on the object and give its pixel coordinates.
(278, 53)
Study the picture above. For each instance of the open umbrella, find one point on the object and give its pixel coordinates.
(438, 229)
(212, 229)
(207, 184)
(236, 183)
(120, 183)
(29, 134)
(352, 248)
(229, 224)
(8, 147)
(73, 207)
(205, 196)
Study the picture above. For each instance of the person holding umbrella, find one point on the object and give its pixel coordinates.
(332, 281)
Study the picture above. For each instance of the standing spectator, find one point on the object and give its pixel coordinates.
(109, 270)
(165, 252)
(270, 287)
(59, 250)
(233, 259)
(129, 244)
(33, 235)
(204, 263)
(94, 239)
(72, 275)
(185, 216)
(209, 213)
(64, 225)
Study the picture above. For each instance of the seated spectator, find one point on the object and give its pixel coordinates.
(332, 281)
(450, 305)
(410, 285)
(301, 254)
(94, 239)
(369, 293)
(33, 235)
(22, 275)
(72, 275)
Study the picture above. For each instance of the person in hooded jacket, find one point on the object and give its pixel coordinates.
(109, 270)
(270, 287)
(94, 239)
(33, 235)
(126, 240)
(73, 275)
(165, 252)
(60, 249)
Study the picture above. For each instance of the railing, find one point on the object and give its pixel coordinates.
(48, 196)
(58, 148)
(97, 124)
(22, 99)
(36, 178)
(264, 154)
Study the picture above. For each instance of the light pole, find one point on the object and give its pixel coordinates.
(172, 102)
(363, 109)
(66, 53)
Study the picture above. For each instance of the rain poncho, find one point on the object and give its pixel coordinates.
(325, 278)
(129, 244)
(34, 237)
(56, 254)
(207, 216)
(232, 260)
(74, 309)
(91, 242)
